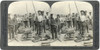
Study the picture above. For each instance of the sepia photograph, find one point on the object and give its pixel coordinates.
(38, 23)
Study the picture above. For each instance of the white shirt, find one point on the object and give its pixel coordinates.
(40, 18)
(83, 18)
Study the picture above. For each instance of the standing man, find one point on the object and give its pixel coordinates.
(10, 27)
(78, 22)
(36, 25)
(73, 19)
(40, 22)
(30, 19)
(66, 21)
(76, 19)
(53, 27)
(87, 22)
(83, 24)
(49, 23)
(69, 21)
(58, 23)
(44, 21)
(14, 24)
(47, 17)
(25, 20)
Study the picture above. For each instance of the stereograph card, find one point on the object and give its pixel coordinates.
(50, 24)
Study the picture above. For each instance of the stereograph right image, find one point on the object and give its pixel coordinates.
(38, 23)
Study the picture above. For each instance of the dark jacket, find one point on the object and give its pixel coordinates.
(52, 22)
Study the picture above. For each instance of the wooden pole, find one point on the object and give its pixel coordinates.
(26, 9)
(34, 9)
(77, 8)
(27, 14)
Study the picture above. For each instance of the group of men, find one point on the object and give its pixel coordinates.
(42, 22)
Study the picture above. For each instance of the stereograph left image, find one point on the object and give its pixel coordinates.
(37, 23)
